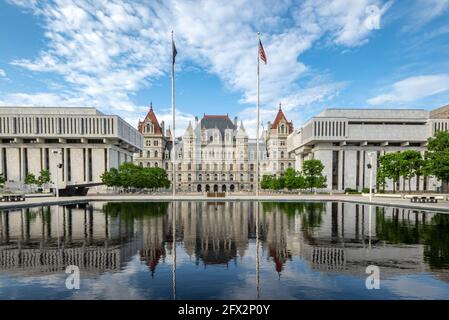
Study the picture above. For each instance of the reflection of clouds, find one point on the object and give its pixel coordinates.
(423, 286)
(113, 285)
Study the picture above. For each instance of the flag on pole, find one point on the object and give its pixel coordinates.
(262, 55)
(174, 52)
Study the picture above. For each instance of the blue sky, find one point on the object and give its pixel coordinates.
(115, 56)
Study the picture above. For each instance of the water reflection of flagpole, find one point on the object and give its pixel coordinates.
(257, 251)
(174, 248)
(369, 226)
(57, 224)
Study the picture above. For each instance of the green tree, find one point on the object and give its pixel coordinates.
(381, 179)
(130, 175)
(44, 178)
(437, 163)
(2, 180)
(266, 181)
(111, 178)
(30, 179)
(290, 177)
(313, 174)
(410, 164)
(390, 166)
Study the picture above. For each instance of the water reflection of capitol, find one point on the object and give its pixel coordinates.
(331, 237)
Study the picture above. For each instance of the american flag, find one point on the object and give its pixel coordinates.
(262, 55)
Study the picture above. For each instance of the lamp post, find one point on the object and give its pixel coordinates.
(58, 166)
(370, 167)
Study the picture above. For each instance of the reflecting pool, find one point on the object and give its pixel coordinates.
(223, 250)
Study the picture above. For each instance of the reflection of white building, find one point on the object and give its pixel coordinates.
(343, 139)
(88, 143)
(343, 242)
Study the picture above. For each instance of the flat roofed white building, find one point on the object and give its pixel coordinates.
(85, 141)
(343, 140)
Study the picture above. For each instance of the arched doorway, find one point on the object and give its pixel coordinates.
(207, 188)
(198, 188)
(231, 188)
(215, 188)
(223, 188)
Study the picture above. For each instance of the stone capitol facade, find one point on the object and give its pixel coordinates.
(215, 153)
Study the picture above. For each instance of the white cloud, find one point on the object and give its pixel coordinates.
(413, 88)
(2, 73)
(108, 50)
(427, 10)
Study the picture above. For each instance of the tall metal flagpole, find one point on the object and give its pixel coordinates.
(257, 130)
(173, 114)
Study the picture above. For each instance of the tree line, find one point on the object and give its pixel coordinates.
(411, 163)
(129, 175)
(311, 177)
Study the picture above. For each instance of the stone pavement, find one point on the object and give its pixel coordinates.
(442, 206)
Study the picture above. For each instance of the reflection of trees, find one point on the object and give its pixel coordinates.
(397, 229)
(436, 238)
(135, 210)
(434, 233)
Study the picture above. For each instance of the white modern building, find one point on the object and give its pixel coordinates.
(82, 141)
(347, 140)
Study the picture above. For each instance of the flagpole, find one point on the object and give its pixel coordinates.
(257, 130)
(173, 116)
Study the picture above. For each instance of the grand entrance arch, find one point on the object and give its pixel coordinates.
(215, 188)
(223, 188)
(198, 188)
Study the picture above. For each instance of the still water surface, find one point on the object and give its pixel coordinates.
(229, 250)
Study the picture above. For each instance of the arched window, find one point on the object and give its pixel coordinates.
(148, 154)
(282, 154)
(156, 165)
(155, 154)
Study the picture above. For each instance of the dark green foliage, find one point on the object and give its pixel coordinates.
(130, 175)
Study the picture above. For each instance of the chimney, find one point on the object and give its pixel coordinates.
(235, 122)
(162, 127)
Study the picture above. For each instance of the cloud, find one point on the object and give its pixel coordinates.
(108, 50)
(413, 88)
(427, 10)
(2, 73)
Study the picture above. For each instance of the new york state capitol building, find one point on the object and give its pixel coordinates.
(215, 153)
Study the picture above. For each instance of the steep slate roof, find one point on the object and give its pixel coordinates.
(220, 122)
(151, 116)
(278, 119)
